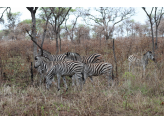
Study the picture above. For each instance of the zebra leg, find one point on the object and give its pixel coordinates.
(79, 79)
(110, 81)
(58, 77)
(129, 66)
(40, 79)
(73, 80)
(65, 82)
(91, 78)
(48, 82)
(144, 69)
(85, 77)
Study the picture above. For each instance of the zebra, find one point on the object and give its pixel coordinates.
(93, 58)
(43, 65)
(61, 69)
(49, 57)
(143, 61)
(96, 69)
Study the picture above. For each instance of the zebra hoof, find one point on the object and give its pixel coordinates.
(58, 89)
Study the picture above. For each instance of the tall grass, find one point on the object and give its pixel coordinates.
(136, 94)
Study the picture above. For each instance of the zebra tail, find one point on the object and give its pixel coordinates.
(112, 74)
(83, 71)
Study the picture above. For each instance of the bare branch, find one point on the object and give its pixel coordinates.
(3, 12)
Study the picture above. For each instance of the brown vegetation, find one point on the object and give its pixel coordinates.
(134, 95)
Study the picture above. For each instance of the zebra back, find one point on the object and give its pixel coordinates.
(94, 58)
(95, 69)
(51, 57)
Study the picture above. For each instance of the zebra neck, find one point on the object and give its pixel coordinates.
(44, 65)
(49, 56)
(145, 60)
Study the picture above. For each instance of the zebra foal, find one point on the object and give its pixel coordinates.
(96, 69)
(135, 60)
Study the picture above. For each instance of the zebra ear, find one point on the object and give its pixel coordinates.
(67, 53)
(36, 58)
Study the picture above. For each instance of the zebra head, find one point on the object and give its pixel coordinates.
(149, 55)
(37, 62)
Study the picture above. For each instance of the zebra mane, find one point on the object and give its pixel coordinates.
(147, 52)
(71, 53)
(72, 56)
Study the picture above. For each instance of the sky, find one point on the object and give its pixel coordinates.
(140, 15)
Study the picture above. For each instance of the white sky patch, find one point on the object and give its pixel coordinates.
(25, 14)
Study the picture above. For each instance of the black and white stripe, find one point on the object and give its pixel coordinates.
(96, 69)
(135, 60)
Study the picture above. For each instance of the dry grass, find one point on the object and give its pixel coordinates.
(136, 94)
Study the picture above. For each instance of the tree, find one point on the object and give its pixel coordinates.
(151, 24)
(58, 16)
(77, 12)
(33, 33)
(45, 16)
(13, 20)
(161, 27)
(109, 17)
(82, 32)
(98, 30)
(157, 19)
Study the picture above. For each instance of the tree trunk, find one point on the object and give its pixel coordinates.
(100, 39)
(34, 33)
(156, 37)
(152, 36)
(60, 42)
(57, 46)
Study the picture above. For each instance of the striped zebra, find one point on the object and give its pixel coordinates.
(94, 58)
(96, 69)
(43, 65)
(61, 69)
(135, 60)
(50, 57)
